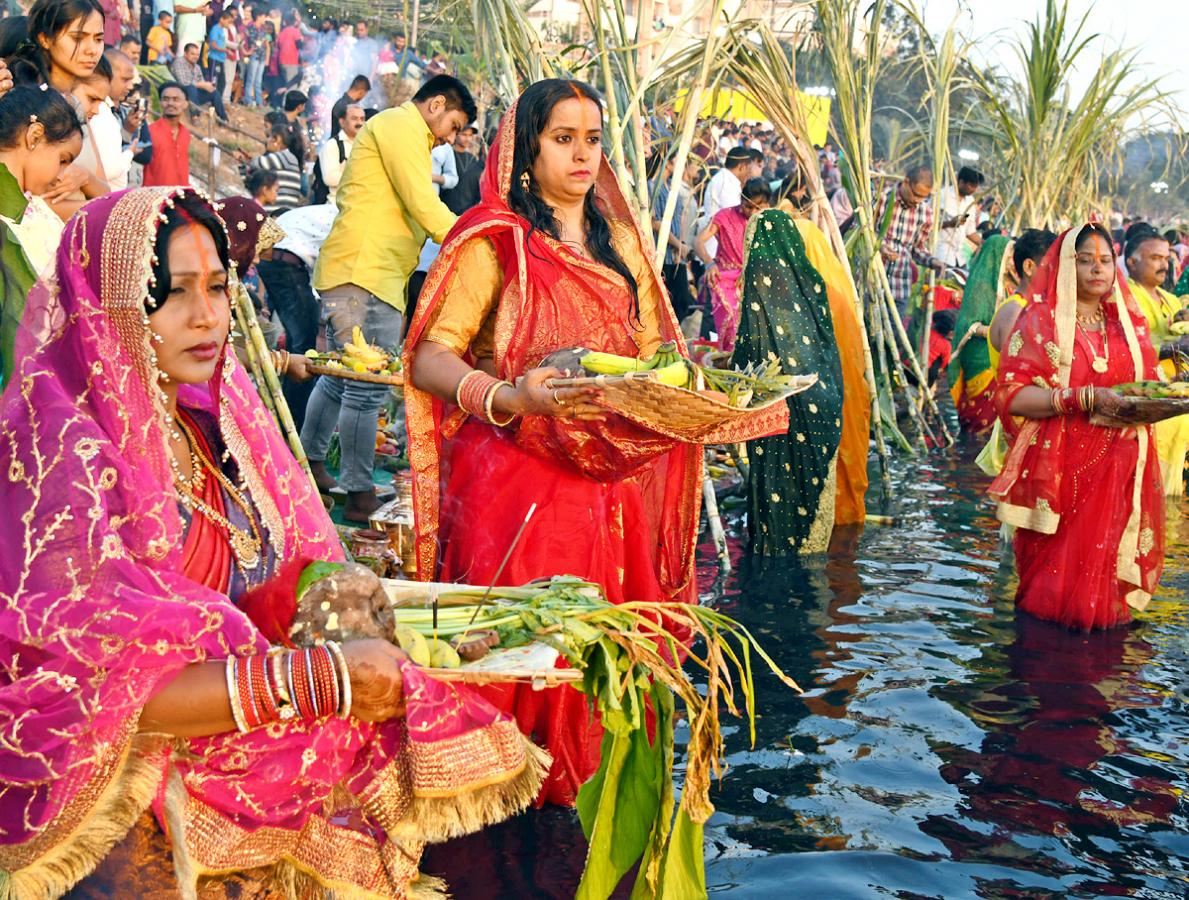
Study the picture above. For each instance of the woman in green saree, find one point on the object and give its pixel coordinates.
(785, 316)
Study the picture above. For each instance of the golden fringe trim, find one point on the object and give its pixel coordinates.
(122, 802)
(436, 819)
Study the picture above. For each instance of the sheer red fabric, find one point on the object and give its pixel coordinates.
(615, 504)
(1086, 499)
(206, 555)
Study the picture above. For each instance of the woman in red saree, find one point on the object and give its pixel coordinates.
(154, 491)
(551, 258)
(1086, 499)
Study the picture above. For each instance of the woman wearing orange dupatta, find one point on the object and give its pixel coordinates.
(551, 258)
(1086, 499)
(850, 504)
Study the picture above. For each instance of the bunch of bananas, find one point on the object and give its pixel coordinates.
(667, 365)
(360, 356)
(433, 652)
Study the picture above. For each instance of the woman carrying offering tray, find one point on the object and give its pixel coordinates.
(1085, 497)
(551, 258)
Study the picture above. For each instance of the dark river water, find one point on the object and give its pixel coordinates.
(944, 746)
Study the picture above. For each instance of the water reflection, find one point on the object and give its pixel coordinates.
(943, 747)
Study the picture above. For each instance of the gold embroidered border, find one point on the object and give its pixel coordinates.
(1042, 520)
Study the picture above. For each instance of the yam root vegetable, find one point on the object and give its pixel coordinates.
(345, 605)
(568, 359)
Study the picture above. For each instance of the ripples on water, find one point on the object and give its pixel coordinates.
(943, 746)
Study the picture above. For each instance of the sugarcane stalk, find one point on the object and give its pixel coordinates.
(714, 520)
(246, 317)
(254, 366)
(742, 462)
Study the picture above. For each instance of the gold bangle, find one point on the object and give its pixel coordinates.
(488, 402)
(474, 373)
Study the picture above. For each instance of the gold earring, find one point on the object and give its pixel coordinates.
(525, 178)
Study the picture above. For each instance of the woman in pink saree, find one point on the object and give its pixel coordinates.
(134, 451)
(726, 266)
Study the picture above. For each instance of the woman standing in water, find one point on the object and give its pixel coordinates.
(725, 267)
(792, 481)
(550, 258)
(1086, 499)
(147, 727)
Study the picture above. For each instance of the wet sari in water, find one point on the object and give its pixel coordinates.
(972, 370)
(1086, 500)
(110, 591)
(616, 504)
(786, 317)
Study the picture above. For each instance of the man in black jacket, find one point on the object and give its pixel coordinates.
(470, 169)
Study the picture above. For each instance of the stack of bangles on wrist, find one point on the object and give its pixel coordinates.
(475, 395)
(1067, 400)
(288, 685)
(280, 361)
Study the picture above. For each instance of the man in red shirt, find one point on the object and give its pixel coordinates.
(170, 164)
(289, 50)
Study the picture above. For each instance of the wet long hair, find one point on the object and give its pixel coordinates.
(26, 58)
(532, 116)
(187, 210)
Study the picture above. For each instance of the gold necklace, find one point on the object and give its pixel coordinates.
(1100, 363)
(246, 547)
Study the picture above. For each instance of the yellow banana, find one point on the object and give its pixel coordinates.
(675, 374)
(442, 655)
(413, 644)
(609, 364)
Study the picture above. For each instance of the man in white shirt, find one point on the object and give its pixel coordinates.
(445, 178)
(285, 271)
(725, 189)
(106, 132)
(959, 211)
(332, 158)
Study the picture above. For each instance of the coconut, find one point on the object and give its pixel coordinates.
(568, 359)
(346, 604)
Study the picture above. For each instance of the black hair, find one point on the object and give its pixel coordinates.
(756, 155)
(26, 58)
(1172, 235)
(737, 156)
(186, 49)
(971, 176)
(532, 116)
(1032, 244)
(166, 12)
(944, 321)
(187, 209)
(794, 183)
(258, 180)
(1136, 225)
(1089, 231)
(294, 99)
(103, 68)
(361, 81)
(291, 17)
(166, 85)
(757, 189)
(456, 94)
(1140, 237)
(281, 131)
(919, 174)
(52, 110)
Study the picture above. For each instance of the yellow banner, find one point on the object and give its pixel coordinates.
(736, 106)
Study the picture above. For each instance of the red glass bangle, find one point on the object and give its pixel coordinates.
(243, 685)
(301, 686)
(266, 701)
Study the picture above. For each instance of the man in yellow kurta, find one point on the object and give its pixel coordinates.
(1147, 265)
(387, 208)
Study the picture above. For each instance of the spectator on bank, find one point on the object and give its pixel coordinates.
(216, 51)
(363, 270)
(130, 46)
(134, 131)
(332, 158)
(103, 152)
(231, 64)
(360, 87)
(273, 80)
(468, 163)
(191, 24)
(254, 56)
(170, 164)
(280, 159)
(115, 16)
(262, 186)
(198, 89)
(160, 39)
(289, 50)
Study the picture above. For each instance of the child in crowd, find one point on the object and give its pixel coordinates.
(160, 39)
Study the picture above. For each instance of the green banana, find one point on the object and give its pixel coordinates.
(610, 364)
(413, 644)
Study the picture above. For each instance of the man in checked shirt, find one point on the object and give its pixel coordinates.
(906, 231)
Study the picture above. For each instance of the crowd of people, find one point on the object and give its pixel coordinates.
(144, 712)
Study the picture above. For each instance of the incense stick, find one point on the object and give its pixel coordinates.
(507, 556)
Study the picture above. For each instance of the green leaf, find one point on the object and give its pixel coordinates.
(315, 571)
(683, 875)
(648, 878)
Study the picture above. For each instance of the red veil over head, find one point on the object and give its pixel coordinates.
(553, 298)
(1048, 456)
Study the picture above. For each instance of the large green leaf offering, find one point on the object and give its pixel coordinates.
(627, 654)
